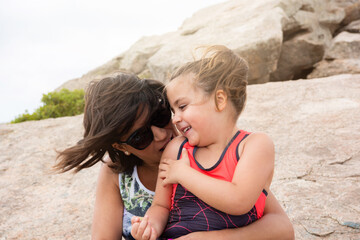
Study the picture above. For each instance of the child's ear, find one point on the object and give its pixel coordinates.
(221, 99)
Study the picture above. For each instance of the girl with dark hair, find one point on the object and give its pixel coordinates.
(128, 119)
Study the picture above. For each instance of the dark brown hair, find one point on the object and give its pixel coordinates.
(219, 68)
(112, 106)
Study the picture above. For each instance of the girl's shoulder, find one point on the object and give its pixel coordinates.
(259, 140)
(259, 136)
(172, 149)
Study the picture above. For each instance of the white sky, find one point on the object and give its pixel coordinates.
(44, 43)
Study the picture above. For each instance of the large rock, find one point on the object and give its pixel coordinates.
(343, 55)
(344, 45)
(353, 27)
(300, 51)
(254, 29)
(327, 68)
(297, 56)
(315, 127)
(352, 10)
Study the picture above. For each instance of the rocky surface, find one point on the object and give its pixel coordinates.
(315, 125)
(327, 68)
(36, 204)
(343, 54)
(281, 39)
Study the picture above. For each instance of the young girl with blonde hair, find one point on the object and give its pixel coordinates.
(222, 174)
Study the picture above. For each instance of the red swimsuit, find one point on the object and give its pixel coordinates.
(189, 214)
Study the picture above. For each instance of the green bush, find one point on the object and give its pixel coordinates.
(56, 104)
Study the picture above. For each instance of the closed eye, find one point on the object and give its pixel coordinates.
(181, 107)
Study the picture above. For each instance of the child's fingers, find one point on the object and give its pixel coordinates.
(134, 229)
(165, 182)
(147, 232)
(185, 156)
(135, 219)
(142, 227)
(163, 167)
(164, 163)
(162, 175)
(153, 234)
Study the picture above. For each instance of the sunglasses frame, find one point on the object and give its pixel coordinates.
(133, 135)
(160, 112)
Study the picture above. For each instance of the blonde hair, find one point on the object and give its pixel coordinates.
(219, 69)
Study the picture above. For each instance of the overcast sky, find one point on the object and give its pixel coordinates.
(44, 43)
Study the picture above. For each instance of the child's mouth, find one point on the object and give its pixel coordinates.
(186, 129)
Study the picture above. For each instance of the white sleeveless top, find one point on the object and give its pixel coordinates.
(136, 197)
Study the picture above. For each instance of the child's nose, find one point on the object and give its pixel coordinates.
(175, 119)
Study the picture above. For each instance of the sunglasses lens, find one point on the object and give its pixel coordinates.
(161, 117)
(141, 138)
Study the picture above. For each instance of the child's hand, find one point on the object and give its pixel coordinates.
(171, 170)
(141, 229)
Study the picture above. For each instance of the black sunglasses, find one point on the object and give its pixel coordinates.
(142, 137)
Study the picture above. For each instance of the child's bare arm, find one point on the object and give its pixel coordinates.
(157, 215)
(154, 222)
(152, 225)
(252, 174)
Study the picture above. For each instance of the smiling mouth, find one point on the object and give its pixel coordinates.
(186, 129)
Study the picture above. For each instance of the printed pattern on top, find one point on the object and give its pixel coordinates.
(137, 199)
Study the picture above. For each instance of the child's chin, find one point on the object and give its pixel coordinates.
(193, 142)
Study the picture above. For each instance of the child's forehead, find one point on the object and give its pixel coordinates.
(183, 80)
(178, 86)
(182, 88)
